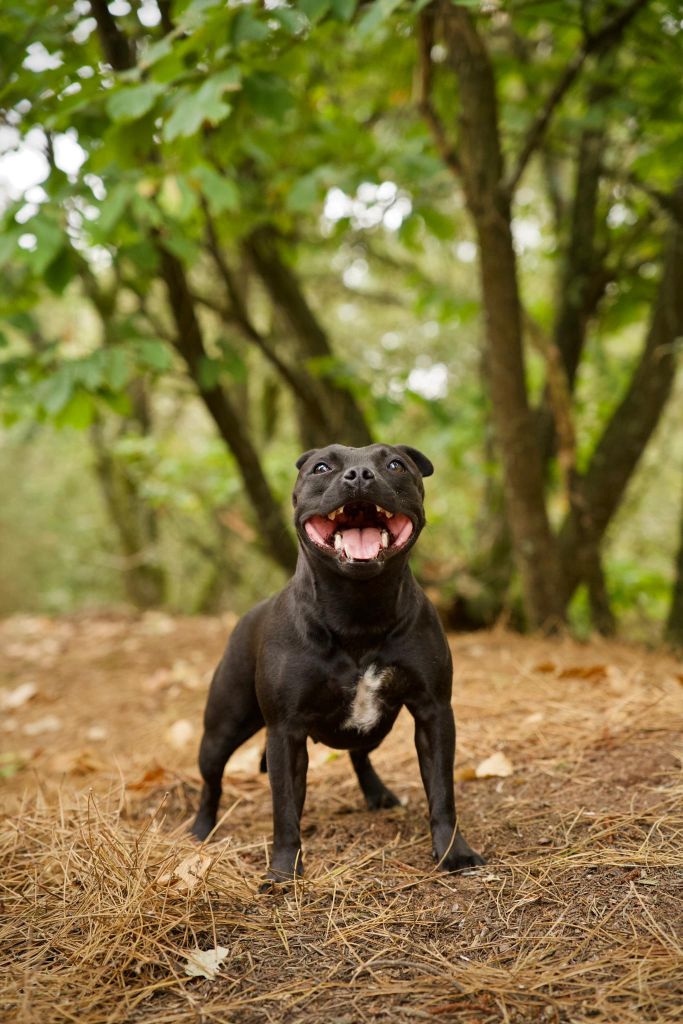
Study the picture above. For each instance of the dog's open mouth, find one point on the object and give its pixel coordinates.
(360, 531)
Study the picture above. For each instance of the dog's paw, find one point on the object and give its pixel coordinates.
(460, 858)
(382, 800)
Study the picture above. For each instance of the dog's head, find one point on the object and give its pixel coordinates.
(358, 508)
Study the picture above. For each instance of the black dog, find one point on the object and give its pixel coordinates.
(337, 653)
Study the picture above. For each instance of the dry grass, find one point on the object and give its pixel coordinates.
(578, 915)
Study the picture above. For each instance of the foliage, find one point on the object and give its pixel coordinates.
(191, 137)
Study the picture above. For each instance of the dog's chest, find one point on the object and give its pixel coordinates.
(366, 704)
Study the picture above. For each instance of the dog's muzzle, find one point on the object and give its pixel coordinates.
(360, 531)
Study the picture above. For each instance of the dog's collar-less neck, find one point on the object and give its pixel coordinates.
(355, 606)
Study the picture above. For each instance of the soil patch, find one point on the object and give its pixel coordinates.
(104, 900)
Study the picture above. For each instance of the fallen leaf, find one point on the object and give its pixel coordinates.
(465, 773)
(590, 672)
(546, 667)
(15, 698)
(96, 732)
(205, 963)
(496, 766)
(79, 762)
(48, 724)
(180, 733)
(186, 875)
(152, 777)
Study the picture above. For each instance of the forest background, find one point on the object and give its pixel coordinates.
(232, 232)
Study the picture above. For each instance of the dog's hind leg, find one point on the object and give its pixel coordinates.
(232, 716)
(376, 794)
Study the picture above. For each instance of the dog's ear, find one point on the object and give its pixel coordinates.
(306, 455)
(421, 461)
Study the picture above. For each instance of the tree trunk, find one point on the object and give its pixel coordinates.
(272, 528)
(133, 519)
(600, 490)
(674, 623)
(344, 416)
(577, 294)
(489, 205)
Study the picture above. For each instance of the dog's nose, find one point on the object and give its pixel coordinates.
(359, 473)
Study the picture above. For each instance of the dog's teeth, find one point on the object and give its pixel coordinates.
(384, 537)
(331, 515)
(389, 515)
(338, 542)
(337, 512)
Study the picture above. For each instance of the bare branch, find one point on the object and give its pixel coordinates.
(599, 41)
(425, 40)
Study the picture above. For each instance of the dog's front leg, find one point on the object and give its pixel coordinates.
(287, 766)
(435, 743)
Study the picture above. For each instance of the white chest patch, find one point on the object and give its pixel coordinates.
(367, 702)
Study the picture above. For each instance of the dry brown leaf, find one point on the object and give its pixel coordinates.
(465, 773)
(186, 875)
(153, 777)
(590, 672)
(546, 667)
(77, 762)
(497, 766)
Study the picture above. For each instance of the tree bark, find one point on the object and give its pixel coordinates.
(316, 424)
(600, 490)
(579, 288)
(489, 205)
(133, 519)
(674, 623)
(344, 416)
(272, 527)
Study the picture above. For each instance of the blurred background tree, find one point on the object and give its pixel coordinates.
(232, 232)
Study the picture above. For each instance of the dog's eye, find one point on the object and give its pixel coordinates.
(396, 466)
(322, 467)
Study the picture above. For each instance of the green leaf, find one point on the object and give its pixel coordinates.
(221, 193)
(113, 207)
(118, 370)
(305, 193)
(157, 51)
(378, 12)
(203, 106)
(50, 239)
(209, 373)
(8, 243)
(248, 29)
(78, 412)
(292, 21)
(154, 354)
(314, 9)
(344, 10)
(130, 104)
(54, 392)
(267, 94)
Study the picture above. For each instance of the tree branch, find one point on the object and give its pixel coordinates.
(424, 82)
(608, 35)
(117, 47)
(627, 433)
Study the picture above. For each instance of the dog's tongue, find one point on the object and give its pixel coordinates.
(362, 544)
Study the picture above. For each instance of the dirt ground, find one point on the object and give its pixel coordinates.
(104, 900)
